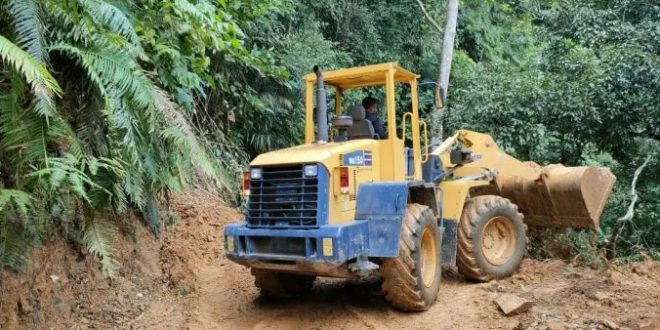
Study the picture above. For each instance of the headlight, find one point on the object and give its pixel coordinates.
(255, 174)
(311, 170)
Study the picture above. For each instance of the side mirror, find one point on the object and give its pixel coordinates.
(438, 97)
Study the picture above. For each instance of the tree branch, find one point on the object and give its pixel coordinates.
(428, 16)
(630, 213)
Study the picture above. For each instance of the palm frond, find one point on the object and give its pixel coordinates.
(29, 27)
(98, 233)
(44, 86)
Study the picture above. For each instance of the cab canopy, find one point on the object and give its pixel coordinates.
(364, 76)
(387, 75)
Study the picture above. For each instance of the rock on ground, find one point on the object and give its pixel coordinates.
(512, 304)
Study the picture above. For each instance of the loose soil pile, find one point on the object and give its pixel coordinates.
(183, 281)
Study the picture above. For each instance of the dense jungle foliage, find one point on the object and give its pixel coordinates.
(108, 105)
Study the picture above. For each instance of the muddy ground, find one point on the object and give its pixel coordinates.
(183, 281)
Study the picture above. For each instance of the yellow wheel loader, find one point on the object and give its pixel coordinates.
(350, 204)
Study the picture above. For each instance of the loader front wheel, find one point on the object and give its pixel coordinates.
(411, 281)
(273, 284)
(491, 238)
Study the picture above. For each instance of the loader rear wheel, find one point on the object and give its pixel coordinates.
(491, 238)
(411, 281)
(275, 284)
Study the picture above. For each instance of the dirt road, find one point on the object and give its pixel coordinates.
(184, 282)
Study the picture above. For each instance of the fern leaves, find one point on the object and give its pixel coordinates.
(112, 18)
(72, 172)
(44, 86)
(18, 198)
(13, 246)
(112, 141)
(182, 134)
(29, 27)
(12, 243)
(114, 71)
(98, 234)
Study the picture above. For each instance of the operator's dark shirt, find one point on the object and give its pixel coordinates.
(378, 124)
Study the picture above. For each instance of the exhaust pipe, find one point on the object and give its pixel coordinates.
(321, 107)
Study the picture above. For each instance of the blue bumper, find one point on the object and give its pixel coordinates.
(324, 250)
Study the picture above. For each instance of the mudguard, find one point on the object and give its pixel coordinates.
(383, 205)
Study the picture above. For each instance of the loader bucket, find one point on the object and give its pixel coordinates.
(560, 196)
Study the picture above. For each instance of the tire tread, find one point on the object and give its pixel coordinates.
(399, 282)
(473, 213)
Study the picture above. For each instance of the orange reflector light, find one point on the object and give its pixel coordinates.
(246, 183)
(343, 180)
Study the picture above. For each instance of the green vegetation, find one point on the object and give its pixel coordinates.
(572, 82)
(107, 105)
(95, 109)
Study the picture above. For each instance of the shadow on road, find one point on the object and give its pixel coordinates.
(360, 293)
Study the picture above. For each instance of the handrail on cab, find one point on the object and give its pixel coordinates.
(425, 152)
(403, 123)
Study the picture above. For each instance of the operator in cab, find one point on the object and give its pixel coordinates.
(370, 104)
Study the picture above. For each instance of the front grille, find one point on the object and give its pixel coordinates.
(283, 198)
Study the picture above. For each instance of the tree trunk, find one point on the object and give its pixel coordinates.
(446, 55)
(448, 46)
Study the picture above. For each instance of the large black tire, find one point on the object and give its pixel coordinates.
(411, 281)
(274, 284)
(491, 238)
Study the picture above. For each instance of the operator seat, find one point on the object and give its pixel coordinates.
(362, 127)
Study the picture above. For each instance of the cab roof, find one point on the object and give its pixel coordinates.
(363, 76)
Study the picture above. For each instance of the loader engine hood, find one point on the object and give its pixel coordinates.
(326, 154)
